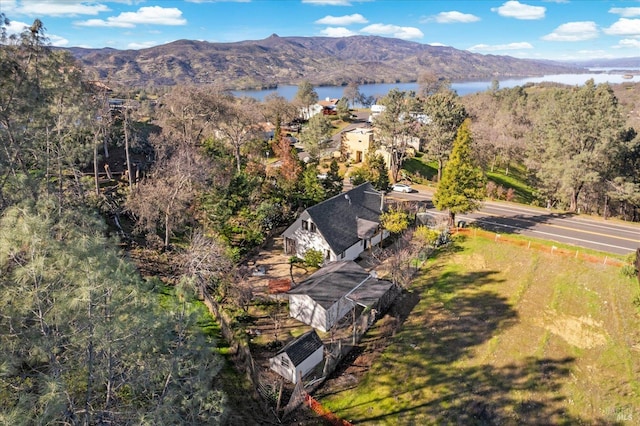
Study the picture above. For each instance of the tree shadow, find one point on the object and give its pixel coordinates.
(431, 374)
(516, 224)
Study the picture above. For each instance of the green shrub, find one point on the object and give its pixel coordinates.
(313, 258)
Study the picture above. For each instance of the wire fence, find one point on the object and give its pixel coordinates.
(543, 247)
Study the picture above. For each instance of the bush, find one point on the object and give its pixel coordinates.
(313, 258)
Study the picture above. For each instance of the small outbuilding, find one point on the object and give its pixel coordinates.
(324, 298)
(298, 357)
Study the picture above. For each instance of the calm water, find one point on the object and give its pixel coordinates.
(462, 88)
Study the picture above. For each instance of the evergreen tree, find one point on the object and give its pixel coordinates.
(445, 113)
(317, 130)
(373, 170)
(82, 339)
(577, 135)
(462, 187)
(312, 189)
(333, 182)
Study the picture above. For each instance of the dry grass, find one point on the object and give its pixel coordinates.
(506, 335)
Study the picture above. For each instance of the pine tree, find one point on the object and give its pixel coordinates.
(462, 187)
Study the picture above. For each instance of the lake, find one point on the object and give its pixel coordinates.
(462, 88)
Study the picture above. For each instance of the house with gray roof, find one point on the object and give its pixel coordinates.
(333, 291)
(341, 227)
(298, 357)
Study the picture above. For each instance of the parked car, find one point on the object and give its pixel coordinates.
(401, 187)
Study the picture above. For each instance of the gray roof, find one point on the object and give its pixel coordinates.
(337, 218)
(301, 348)
(339, 279)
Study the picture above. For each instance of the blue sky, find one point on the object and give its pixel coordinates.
(552, 29)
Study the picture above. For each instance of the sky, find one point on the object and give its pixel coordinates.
(551, 29)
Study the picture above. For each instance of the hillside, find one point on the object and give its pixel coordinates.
(288, 60)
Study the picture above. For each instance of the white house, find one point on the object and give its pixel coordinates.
(341, 227)
(333, 291)
(298, 357)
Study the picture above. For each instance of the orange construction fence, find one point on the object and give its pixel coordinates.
(504, 238)
(323, 412)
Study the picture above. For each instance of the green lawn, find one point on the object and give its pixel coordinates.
(506, 335)
(423, 171)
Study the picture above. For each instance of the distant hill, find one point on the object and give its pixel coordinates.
(289, 60)
(609, 63)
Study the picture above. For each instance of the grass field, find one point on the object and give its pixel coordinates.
(505, 335)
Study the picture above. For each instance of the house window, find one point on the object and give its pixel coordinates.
(284, 362)
(308, 226)
(342, 255)
(327, 254)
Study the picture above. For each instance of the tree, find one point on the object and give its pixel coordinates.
(163, 199)
(188, 114)
(462, 187)
(352, 93)
(333, 182)
(445, 113)
(430, 84)
(577, 134)
(373, 170)
(394, 127)
(316, 132)
(312, 189)
(277, 109)
(342, 109)
(395, 221)
(239, 125)
(81, 337)
(305, 97)
(45, 115)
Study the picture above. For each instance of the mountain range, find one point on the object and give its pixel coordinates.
(278, 60)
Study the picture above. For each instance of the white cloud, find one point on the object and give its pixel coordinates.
(515, 9)
(436, 44)
(624, 27)
(8, 6)
(626, 12)
(58, 41)
(218, 1)
(110, 22)
(574, 31)
(356, 18)
(627, 43)
(57, 7)
(500, 47)
(337, 32)
(454, 17)
(143, 45)
(16, 27)
(328, 2)
(395, 31)
(151, 15)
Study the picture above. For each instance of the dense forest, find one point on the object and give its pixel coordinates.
(113, 219)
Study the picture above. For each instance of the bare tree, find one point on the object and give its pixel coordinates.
(164, 197)
(239, 125)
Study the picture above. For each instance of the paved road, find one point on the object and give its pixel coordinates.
(581, 231)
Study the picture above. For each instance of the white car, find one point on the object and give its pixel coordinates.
(401, 187)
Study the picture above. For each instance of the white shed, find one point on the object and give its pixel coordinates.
(298, 357)
(330, 293)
